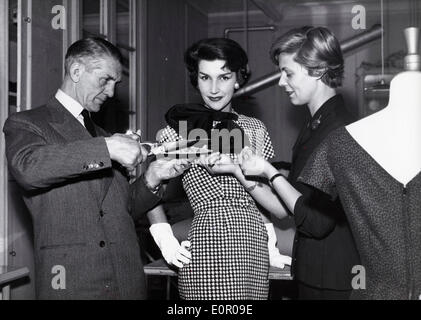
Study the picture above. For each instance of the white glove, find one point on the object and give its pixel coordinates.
(173, 253)
(275, 258)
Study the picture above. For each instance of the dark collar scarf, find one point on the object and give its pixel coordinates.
(198, 116)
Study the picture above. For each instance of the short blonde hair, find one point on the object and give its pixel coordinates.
(316, 49)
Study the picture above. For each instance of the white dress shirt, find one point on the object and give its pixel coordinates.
(74, 107)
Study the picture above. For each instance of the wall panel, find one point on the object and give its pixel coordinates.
(165, 70)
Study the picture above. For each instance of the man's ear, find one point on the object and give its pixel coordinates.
(76, 71)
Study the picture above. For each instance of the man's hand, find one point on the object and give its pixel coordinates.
(125, 150)
(165, 169)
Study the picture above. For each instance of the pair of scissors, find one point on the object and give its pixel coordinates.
(155, 148)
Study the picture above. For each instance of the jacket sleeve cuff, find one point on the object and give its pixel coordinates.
(142, 198)
(299, 211)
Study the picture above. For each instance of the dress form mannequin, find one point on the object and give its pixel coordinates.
(392, 136)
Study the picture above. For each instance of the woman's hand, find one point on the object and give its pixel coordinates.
(225, 165)
(218, 163)
(252, 164)
(174, 253)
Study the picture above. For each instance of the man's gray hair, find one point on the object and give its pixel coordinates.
(89, 49)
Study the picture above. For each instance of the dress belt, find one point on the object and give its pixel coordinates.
(218, 203)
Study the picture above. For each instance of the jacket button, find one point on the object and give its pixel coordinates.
(102, 244)
(101, 213)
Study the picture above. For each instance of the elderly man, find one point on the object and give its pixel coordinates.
(73, 176)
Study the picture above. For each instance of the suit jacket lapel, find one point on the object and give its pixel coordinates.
(65, 123)
(71, 130)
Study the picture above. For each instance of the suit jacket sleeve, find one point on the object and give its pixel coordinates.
(315, 215)
(142, 199)
(37, 163)
(318, 213)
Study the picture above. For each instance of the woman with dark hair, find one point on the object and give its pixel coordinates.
(228, 242)
(324, 252)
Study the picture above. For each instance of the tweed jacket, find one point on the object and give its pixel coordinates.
(79, 201)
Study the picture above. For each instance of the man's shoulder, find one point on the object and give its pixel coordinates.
(36, 115)
(38, 112)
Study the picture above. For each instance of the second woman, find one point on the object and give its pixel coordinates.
(228, 239)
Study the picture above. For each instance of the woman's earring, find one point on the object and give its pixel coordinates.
(236, 86)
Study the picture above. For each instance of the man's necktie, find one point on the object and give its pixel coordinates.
(89, 124)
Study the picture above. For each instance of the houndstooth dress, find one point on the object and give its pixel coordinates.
(228, 238)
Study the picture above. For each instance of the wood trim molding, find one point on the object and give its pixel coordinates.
(133, 99)
(73, 30)
(141, 67)
(4, 110)
(108, 18)
(24, 82)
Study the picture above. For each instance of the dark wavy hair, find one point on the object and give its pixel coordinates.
(316, 49)
(217, 49)
(88, 49)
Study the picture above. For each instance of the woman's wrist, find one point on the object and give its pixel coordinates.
(277, 176)
(270, 171)
(248, 185)
(238, 173)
